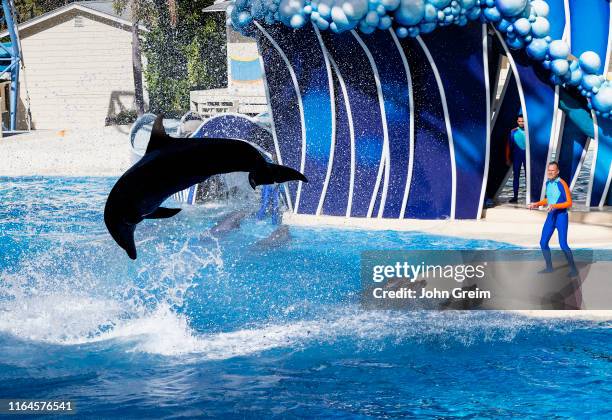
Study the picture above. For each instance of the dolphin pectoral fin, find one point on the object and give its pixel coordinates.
(162, 213)
(273, 173)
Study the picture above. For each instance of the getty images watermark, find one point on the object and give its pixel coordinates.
(475, 279)
(413, 272)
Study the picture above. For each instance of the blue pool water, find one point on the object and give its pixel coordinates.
(199, 326)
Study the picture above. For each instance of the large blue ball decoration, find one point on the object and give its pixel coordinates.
(602, 101)
(540, 27)
(426, 28)
(244, 18)
(355, 9)
(384, 23)
(503, 25)
(558, 49)
(288, 8)
(401, 32)
(510, 8)
(372, 18)
(410, 12)
(440, 4)
(515, 43)
(492, 14)
(390, 4)
(540, 8)
(522, 26)
(591, 81)
(590, 62)
(324, 8)
(537, 49)
(468, 4)
(339, 17)
(575, 77)
(322, 24)
(241, 4)
(574, 65)
(297, 21)
(365, 28)
(559, 66)
(474, 13)
(431, 13)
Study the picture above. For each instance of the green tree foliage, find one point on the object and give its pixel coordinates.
(184, 47)
(182, 57)
(28, 9)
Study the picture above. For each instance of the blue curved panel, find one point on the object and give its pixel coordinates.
(603, 162)
(284, 107)
(578, 129)
(571, 150)
(589, 25)
(395, 89)
(431, 185)
(354, 66)
(540, 111)
(336, 199)
(595, 15)
(461, 67)
(556, 18)
(311, 74)
(236, 127)
(309, 66)
(504, 121)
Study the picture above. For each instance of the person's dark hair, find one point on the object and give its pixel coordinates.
(554, 162)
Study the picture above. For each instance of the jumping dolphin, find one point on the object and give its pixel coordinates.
(171, 165)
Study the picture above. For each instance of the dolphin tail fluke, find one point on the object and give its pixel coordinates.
(273, 173)
(162, 213)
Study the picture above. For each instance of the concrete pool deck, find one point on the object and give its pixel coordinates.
(516, 226)
(92, 152)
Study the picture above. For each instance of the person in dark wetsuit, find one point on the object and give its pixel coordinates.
(558, 199)
(516, 155)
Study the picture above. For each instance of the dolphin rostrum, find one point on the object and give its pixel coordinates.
(171, 165)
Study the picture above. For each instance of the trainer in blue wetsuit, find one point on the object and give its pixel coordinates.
(269, 203)
(516, 155)
(558, 199)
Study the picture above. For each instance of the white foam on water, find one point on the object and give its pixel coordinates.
(76, 320)
(166, 333)
(59, 319)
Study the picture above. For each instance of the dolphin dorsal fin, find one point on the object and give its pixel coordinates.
(159, 139)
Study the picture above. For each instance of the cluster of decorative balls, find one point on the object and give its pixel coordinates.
(523, 22)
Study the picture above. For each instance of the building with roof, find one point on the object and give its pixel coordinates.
(245, 92)
(78, 62)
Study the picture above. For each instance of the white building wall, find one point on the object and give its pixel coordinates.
(78, 69)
